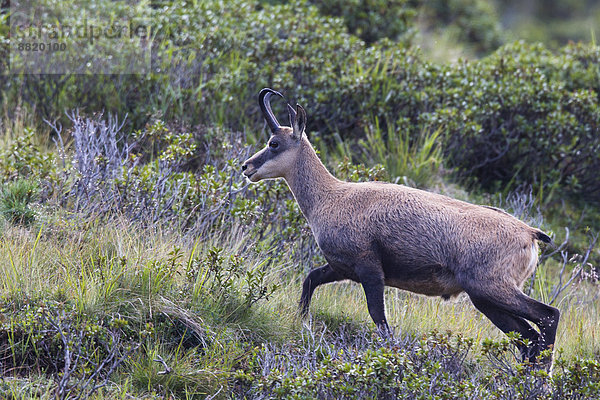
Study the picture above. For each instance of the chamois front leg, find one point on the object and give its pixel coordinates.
(373, 285)
(316, 277)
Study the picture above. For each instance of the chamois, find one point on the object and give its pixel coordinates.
(381, 234)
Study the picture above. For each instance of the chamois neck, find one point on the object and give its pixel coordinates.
(309, 180)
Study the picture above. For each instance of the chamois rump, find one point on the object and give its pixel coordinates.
(381, 234)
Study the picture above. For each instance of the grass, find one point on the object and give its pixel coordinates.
(392, 153)
(159, 312)
(409, 313)
(117, 273)
(164, 313)
(108, 273)
(15, 201)
(415, 161)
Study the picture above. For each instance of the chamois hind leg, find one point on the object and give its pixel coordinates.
(544, 316)
(510, 323)
(514, 302)
(316, 277)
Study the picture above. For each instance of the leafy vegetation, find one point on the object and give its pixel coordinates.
(16, 201)
(555, 24)
(473, 22)
(372, 20)
(518, 106)
(137, 262)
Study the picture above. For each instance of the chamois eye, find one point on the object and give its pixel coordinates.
(273, 145)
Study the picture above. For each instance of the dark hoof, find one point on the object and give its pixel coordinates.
(384, 331)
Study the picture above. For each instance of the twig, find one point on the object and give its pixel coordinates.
(167, 369)
(579, 269)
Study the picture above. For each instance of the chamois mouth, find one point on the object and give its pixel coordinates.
(249, 175)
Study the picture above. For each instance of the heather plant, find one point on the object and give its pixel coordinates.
(46, 337)
(437, 365)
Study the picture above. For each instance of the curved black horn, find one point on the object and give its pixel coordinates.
(264, 100)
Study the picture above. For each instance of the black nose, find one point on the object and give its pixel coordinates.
(244, 167)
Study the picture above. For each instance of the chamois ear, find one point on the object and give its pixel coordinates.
(297, 120)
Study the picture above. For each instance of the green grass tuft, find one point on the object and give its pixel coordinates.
(16, 201)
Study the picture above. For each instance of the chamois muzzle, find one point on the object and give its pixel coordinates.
(264, 100)
(248, 173)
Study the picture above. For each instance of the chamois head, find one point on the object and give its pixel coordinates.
(283, 146)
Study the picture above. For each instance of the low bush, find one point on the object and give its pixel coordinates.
(150, 178)
(48, 338)
(523, 114)
(473, 22)
(372, 20)
(437, 365)
(518, 116)
(24, 157)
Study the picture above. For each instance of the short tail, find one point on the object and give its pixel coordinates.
(539, 235)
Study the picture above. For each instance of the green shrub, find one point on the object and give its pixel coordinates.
(579, 67)
(518, 116)
(23, 156)
(226, 282)
(372, 20)
(47, 337)
(199, 73)
(579, 379)
(473, 22)
(102, 74)
(523, 114)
